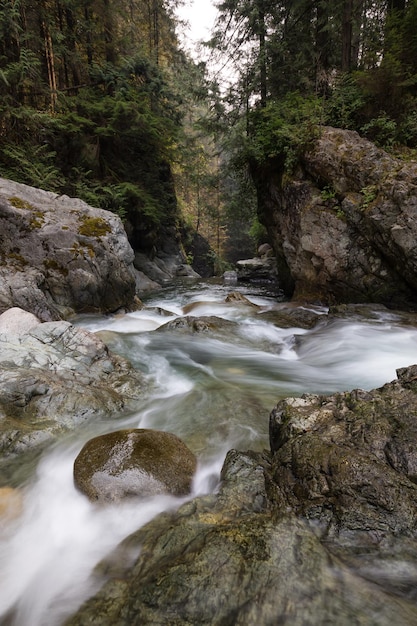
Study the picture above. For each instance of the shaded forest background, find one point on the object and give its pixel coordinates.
(98, 100)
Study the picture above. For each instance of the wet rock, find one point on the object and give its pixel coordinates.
(257, 269)
(291, 315)
(160, 270)
(135, 462)
(230, 277)
(54, 376)
(231, 558)
(349, 461)
(238, 298)
(189, 323)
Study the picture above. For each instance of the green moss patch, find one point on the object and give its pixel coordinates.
(93, 226)
(18, 203)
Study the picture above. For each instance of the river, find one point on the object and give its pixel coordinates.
(214, 390)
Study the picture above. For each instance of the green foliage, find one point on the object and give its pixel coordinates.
(258, 231)
(328, 193)
(283, 129)
(369, 195)
(31, 164)
(87, 106)
(381, 130)
(345, 102)
(407, 127)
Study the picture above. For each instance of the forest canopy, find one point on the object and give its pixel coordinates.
(98, 100)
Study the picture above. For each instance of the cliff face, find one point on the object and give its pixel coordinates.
(344, 226)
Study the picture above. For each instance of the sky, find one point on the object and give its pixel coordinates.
(201, 15)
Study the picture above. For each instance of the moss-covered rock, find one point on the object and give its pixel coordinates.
(134, 462)
(75, 258)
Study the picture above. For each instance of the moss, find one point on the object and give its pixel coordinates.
(83, 251)
(18, 203)
(93, 226)
(51, 264)
(18, 258)
(37, 220)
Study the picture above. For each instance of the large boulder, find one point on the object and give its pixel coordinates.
(54, 376)
(60, 255)
(344, 226)
(349, 461)
(134, 462)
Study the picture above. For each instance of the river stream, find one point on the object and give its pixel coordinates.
(214, 390)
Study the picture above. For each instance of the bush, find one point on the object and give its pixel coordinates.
(284, 129)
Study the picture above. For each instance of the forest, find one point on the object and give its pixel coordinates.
(99, 100)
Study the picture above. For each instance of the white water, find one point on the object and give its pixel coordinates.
(215, 392)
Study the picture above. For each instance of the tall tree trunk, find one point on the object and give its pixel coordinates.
(50, 64)
(322, 49)
(262, 54)
(110, 50)
(347, 32)
(155, 30)
(89, 41)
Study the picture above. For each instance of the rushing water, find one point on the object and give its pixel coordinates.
(214, 390)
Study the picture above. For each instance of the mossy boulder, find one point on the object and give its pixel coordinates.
(60, 256)
(134, 462)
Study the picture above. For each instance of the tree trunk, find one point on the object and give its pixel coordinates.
(322, 49)
(262, 56)
(50, 64)
(347, 32)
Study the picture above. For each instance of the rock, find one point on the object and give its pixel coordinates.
(161, 270)
(257, 269)
(230, 277)
(349, 461)
(265, 250)
(343, 227)
(17, 322)
(238, 298)
(136, 462)
(209, 323)
(53, 376)
(292, 315)
(231, 558)
(11, 504)
(61, 256)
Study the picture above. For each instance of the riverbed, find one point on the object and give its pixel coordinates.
(214, 386)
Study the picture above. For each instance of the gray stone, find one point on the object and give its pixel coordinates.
(235, 558)
(344, 226)
(60, 256)
(54, 376)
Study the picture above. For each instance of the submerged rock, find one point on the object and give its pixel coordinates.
(135, 462)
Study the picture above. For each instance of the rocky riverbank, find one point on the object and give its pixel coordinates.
(60, 256)
(53, 378)
(321, 529)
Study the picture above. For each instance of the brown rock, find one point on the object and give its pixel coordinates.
(134, 462)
